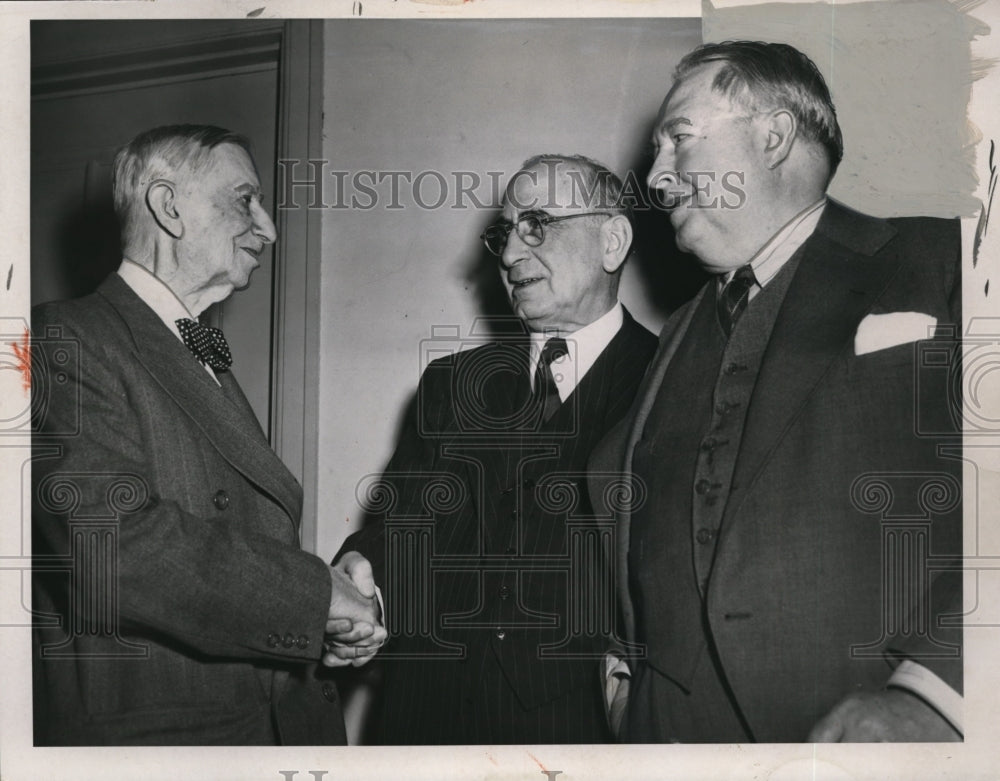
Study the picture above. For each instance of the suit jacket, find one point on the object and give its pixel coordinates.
(837, 463)
(499, 553)
(174, 602)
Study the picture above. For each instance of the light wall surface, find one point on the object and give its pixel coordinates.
(429, 100)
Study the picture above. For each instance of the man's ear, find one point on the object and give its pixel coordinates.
(160, 198)
(617, 240)
(780, 129)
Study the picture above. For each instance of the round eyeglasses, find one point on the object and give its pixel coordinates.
(530, 229)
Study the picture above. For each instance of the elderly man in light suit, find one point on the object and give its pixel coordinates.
(188, 614)
(802, 521)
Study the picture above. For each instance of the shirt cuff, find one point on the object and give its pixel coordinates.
(918, 680)
(616, 672)
(381, 605)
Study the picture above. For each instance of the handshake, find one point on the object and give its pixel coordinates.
(354, 630)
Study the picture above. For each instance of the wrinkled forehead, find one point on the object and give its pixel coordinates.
(552, 186)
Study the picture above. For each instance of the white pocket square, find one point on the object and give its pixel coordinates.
(879, 332)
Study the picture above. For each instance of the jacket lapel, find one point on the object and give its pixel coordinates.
(841, 274)
(670, 338)
(222, 414)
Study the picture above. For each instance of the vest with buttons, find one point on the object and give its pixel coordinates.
(686, 458)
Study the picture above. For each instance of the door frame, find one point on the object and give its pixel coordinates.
(295, 316)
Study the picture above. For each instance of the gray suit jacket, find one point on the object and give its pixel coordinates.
(796, 605)
(174, 602)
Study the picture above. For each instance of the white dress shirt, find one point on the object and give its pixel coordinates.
(583, 347)
(158, 297)
(780, 247)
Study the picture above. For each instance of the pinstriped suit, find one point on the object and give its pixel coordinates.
(515, 663)
(221, 613)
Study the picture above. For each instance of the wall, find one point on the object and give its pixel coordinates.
(452, 96)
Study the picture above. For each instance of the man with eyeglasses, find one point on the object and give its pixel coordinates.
(518, 600)
(794, 573)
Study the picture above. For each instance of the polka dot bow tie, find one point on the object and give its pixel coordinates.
(206, 343)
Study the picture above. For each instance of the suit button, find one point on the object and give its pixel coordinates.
(702, 486)
(220, 500)
(711, 443)
(303, 642)
(273, 640)
(501, 634)
(734, 368)
(704, 536)
(330, 692)
(504, 592)
(289, 641)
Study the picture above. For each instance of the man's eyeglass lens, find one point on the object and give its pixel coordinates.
(530, 229)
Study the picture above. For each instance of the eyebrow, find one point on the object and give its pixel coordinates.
(247, 188)
(667, 126)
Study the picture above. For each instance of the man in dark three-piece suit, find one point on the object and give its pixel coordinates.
(791, 569)
(490, 556)
(174, 604)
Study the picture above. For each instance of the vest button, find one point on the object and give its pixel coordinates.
(702, 486)
(725, 407)
(501, 634)
(704, 536)
(504, 592)
(220, 500)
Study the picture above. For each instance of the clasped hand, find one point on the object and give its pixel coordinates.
(354, 630)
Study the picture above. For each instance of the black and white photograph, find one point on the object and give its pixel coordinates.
(500, 390)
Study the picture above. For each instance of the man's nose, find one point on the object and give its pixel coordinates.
(514, 250)
(662, 174)
(263, 227)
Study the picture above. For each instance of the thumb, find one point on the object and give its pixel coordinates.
(360, 571)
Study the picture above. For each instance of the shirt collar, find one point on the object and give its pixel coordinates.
(158, 296)
(583, 347)
(782, 245)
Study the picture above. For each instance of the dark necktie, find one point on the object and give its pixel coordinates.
(206, 343)
(545, 384)
(734, 296)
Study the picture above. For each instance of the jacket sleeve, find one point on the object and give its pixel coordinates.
(937, 243)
